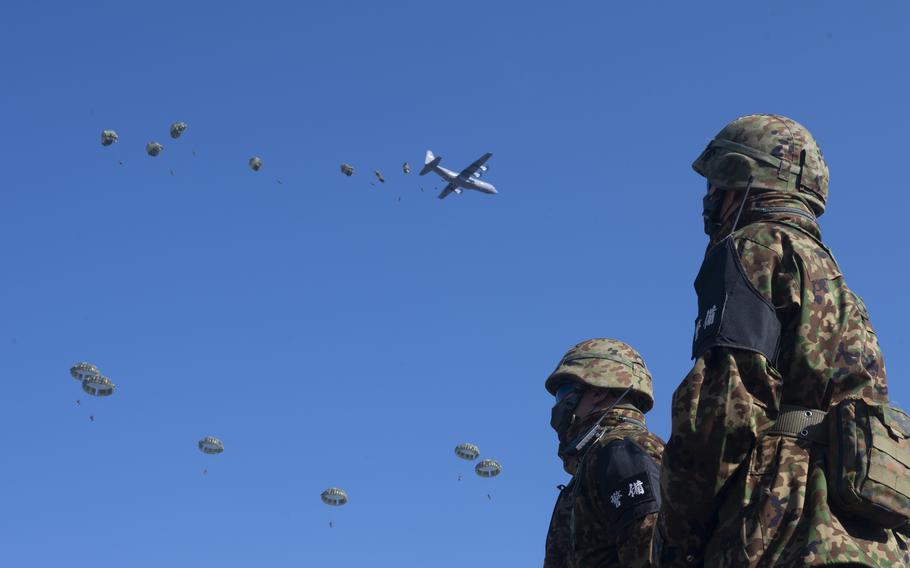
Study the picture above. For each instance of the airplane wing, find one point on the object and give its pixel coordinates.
(448, 189)
(472, 169)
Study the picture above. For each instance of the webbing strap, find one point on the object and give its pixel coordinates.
(802, 423)
(636, 368)
(757, 154)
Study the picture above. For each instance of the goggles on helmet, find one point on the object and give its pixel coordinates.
(566, 390)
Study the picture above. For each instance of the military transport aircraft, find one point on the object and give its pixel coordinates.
(469, 178)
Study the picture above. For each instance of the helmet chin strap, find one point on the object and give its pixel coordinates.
(742, 205)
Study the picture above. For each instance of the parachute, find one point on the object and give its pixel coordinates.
(347, 170)
(406, 168)
(488, 468)
(108, 137)
(334, 496)
(82, 371)
(98, 385)
(211, 445)
(255, 163)
(153, 148)
(177, 129)
(467, 451)
(379, 176)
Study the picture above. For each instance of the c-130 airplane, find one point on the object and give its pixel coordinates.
(469, 178)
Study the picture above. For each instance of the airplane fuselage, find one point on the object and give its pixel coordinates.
(467, 182)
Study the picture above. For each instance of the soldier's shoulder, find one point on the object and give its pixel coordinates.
(624, 479)
(631, 442)
(648, 441)
(758, 240)
(769, 236)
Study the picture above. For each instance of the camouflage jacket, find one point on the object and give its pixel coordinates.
(734, 495)
(611, 520)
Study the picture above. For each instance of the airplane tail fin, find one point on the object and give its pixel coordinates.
(429, 162)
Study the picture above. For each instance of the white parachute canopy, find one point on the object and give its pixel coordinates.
(98, 385)
(488, 468)
(153, 148)
(108, 137)
(82, 371)
(177, 129)
(334, 496)
(211, 445)
(467, 451)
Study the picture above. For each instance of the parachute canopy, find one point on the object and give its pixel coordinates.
(379, 176)
(153, 148)
(255, 163)
(334, 496)
(108, 137)
(347, 169)
(82, 371)
(406, 168)
(98, 385)
(177, 129)
(467, 451)
(488, 468)
(211, 445)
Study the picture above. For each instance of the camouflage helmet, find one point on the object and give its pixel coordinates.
(605, 363)
(778, 152)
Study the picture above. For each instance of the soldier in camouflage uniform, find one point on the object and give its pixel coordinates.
(778, 334)
(607, 514)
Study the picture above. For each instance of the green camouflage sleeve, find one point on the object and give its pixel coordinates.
(718, 412)
(558, 538)
(634, 548)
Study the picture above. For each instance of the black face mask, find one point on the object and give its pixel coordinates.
(563, 413)
(710, 212)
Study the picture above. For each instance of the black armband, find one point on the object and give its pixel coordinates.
(731, 312)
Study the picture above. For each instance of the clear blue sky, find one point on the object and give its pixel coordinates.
(331, 334)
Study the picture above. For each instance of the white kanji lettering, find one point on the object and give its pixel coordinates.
(709, 316)
(615, 498)
(636, 488)
(697, 328)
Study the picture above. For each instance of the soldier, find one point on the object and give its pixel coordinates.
(779, 340)
(607, 514)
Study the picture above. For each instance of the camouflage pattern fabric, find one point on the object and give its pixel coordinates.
(558, 536)
(605, 363)
(597, 543)
(779, 154)
(734, 495)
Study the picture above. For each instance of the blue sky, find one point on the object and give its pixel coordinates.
(334, 335)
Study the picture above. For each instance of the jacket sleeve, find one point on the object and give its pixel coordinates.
(634, 549)
(726, 401)
(556, 554)
(622, 489)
